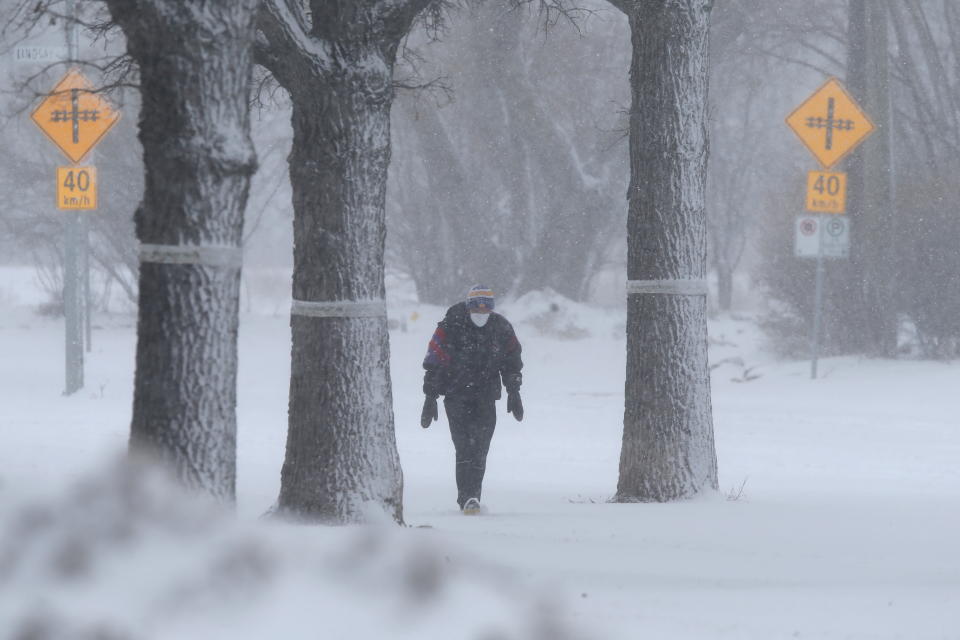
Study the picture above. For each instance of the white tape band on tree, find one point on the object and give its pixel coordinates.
(340, 309)
(668, 287)
(208, 256)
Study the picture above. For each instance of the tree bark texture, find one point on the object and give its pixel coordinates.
(668, 447)
(869, 294)
(341, 457)
(341, 449)
(195, 60)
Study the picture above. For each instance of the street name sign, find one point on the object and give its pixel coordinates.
(74, 117)
(77, 188)
(826, 192)
(39, 54)
(830, 123)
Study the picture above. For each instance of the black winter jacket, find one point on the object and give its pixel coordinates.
(463, 358)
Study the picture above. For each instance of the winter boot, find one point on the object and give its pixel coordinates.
(471, 507)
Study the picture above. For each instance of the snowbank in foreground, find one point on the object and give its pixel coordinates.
(124, 554)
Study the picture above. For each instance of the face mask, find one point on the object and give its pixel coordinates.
(479, 319)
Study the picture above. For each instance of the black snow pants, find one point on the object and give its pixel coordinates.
(472, 419)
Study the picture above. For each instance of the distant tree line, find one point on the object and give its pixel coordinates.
(510, 170)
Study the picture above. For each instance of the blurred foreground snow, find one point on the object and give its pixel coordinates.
(124, 554)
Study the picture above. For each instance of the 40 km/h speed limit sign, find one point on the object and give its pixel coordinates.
(77, 188)
(826, 192)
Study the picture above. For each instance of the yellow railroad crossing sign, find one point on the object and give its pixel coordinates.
(826, 192)
(830, 123)
(76, 188)
(74, 117)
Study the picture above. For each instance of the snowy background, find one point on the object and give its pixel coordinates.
(838, 517)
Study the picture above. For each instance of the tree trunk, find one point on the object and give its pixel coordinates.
(668, 448)
(198, 157)
(341, 452)
(872, 291)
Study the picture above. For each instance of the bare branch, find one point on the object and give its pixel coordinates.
(399, 15)
(805, 43)
(438, 86)
(283, 43)
(267, 92)
(22, 19)
(552, 12)
(412, 78)
(758, 50)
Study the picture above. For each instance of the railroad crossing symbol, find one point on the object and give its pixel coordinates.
(830, 123)
(74, 117)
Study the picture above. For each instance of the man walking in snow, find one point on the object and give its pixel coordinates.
(471, 352)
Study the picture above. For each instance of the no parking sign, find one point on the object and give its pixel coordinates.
(829, 234)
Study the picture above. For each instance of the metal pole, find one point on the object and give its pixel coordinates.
(817, 303)
(73, 311)
(87, 297)
(72, 277)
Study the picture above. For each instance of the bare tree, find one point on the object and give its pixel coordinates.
(730, 187)
(926, 99)
(871, 293)
(668, 448)
(739, 168)
(336, 60)
(437, 225)
(511, 168)
(195, 62)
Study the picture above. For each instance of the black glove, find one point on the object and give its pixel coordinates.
(429, 413)
(515, 405)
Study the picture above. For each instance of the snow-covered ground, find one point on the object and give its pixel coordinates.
(839, 513)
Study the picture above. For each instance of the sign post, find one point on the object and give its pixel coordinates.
(831, 125)
(817, 307)
(75, 119)
(75, 257)
(820, 237)
(76, 192)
